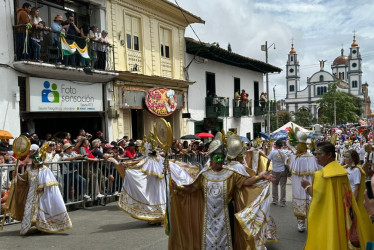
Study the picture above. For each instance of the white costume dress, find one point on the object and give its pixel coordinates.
(302, 167)
(143, 194)
(46, 210)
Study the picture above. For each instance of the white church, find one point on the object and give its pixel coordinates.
(346, 71)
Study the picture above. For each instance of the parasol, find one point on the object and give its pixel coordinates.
(205, 135)
(5, 135)
(280, 135)
(244, 139)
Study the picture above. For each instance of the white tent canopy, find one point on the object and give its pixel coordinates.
(289, 125)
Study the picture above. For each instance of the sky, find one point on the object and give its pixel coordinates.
(319, 29)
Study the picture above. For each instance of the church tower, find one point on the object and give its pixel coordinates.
(292, 74)
(355, 69)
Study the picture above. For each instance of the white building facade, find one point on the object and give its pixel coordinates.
(346, 71)
(218, 73)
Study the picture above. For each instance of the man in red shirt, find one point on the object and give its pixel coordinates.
(130, 150)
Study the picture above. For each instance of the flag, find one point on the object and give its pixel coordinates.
(70, 49)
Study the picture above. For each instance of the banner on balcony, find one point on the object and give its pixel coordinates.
(70, 49)
(161, 101)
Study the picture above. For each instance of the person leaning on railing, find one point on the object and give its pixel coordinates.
(102, 50)
(57, 28)
(71, 173)
(22, 42)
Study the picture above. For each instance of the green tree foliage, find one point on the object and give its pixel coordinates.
(304, 117)
(229, 48)
(283, 118)
(346, 111)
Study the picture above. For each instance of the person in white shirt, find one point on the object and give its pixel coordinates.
(51, 157)
(362, 154)
(278, 157)
(351, 160)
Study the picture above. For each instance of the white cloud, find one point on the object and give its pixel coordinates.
(319, 29)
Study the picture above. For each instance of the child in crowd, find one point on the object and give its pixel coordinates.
(36, 37)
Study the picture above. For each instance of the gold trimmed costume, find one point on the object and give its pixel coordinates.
(45, 209)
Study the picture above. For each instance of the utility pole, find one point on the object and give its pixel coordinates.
(265, 48)
(276, 106)
(334, 113)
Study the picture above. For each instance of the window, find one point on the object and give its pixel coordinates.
(291, 58)
(354, 84)
(321, 90)
(256, 93)
(321, 78)
(343, 75)
(210, 84)
(292, 88)
(291, 70)
(165, 42)
(354, 65)
(354, 51)
(132, 27)
(236, 85)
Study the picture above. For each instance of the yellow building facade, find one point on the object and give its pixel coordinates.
(148, 36)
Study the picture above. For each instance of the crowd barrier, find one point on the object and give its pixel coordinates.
(82, 181)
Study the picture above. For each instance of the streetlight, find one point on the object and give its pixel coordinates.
(265, 48)
(276, 106)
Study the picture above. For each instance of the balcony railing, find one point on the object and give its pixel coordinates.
(216, 106)
(44, 45)
(241, 107)
(261, 108)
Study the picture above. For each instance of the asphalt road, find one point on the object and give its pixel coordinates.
(103, 227)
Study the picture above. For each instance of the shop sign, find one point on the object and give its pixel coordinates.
(50, 95)
(161, 101)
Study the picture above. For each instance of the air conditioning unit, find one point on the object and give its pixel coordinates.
(112, 113)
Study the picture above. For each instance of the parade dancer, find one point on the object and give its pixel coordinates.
(214, 188)
(45, 208)
(303, 165)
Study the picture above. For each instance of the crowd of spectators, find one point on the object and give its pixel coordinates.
(29, 44)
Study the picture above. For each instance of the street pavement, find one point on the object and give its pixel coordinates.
(103, 227)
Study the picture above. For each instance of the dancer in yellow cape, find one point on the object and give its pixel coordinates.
(334, 220)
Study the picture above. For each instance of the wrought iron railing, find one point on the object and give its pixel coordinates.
(45, 46)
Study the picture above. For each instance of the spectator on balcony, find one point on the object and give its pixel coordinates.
(72, 32)
(94, 36)
(22, 42)
(237, 98)
(57, 28)
(36, 37)
(244, 98)
(84, 33)
(263, 100)
(102, 50)
(34, 16)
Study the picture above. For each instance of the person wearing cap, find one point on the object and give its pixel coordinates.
(45, 208)
(218, 184)
(303, 166)
(56, 29)
(71, 174)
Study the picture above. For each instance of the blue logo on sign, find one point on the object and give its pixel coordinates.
(48, 95)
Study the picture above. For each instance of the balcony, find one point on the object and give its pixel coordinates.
(261, 108)
(216, 107)
(45, 58)
(241, 108)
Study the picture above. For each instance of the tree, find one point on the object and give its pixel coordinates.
(346, 111)
(283, 118)
(304, 117)
(229, 48)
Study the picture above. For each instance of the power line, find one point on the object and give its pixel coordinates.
(187, 20)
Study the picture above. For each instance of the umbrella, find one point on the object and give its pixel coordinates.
(205, 135)
(190, 137)
(244, 139)
(280, 135)
(264, 135)
(5, 135)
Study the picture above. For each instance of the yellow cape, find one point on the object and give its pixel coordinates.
(328, 225)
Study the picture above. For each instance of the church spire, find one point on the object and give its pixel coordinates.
(354, 44)
(292, 52)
